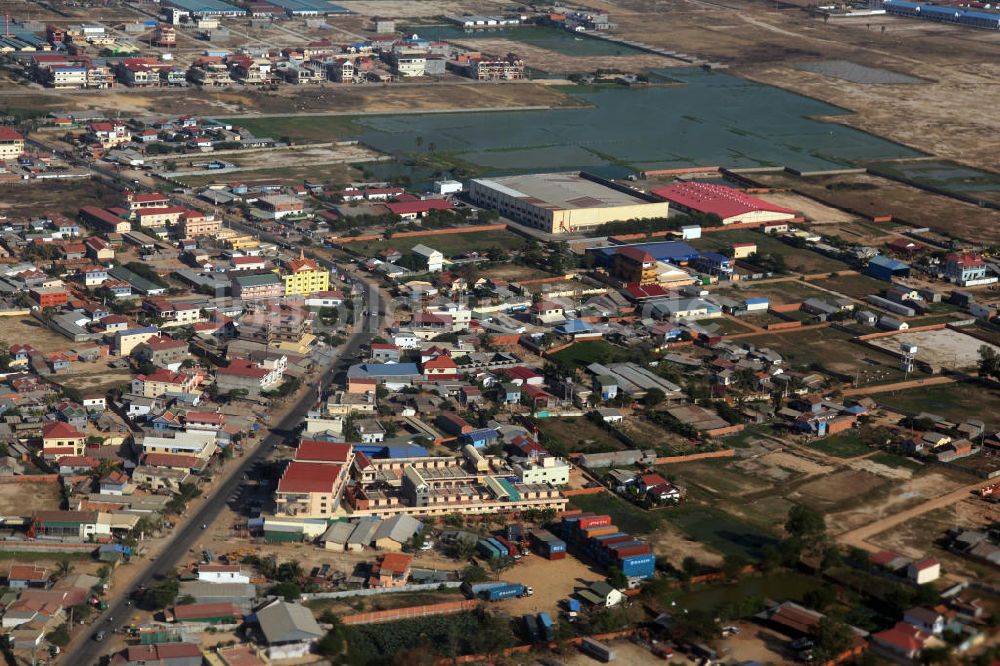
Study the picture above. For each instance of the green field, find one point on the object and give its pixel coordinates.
(777, 293)
(449, 244)
(895, 460)
(331, 174)
(786, 586)
(955, 402)
(833, 350)
(855, 286)
(576, 435)
(841, 446)
(797, 260)
(591, 351)
(302, 129)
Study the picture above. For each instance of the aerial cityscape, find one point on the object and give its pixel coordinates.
(434, 332)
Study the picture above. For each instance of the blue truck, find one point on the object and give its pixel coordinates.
(547, 626)
(502, 549)
(506, 591)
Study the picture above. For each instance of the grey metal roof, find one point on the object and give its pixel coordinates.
(399, 528)
(284, 622)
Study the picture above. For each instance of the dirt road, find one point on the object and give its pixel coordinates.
(858, 537)
(901, 386)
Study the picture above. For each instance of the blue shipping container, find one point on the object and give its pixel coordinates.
(499, 546)
(638, 566)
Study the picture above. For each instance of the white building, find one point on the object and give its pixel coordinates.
(222, 573)
(551, 470)
(434, 259)
(447, 186)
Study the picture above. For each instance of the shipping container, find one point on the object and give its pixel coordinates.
(547, 545)
(638, 566)
(547, 627)
(594, 521)
(487, 550)
(499, 546)
(628, 550)
(515, 533)
(591, 532)
(505, 591)
(512, 550)
(531, 629)
(597, 650)
(475, 589)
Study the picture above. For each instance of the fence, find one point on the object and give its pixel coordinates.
(409, 612)
(374, 591)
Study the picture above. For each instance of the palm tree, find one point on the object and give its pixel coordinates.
(64, 568)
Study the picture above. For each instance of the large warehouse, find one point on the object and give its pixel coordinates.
(728, 203)
(562, 202)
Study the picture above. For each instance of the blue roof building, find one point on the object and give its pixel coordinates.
(673, 252)
(480, 438)
(885, 268)
(574, 327)
(945, 14)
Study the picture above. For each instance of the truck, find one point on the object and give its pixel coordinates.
(505, 591)
(597, 650)
(546, 625)
(477, 589)
(573, 608)
(531, 630)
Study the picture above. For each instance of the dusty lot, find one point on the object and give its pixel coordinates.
(871, 501)
(552, 580)
(92, 377)
(874, 196)
(28, 330)
(23, 499)
(560, 63)
(944, 348)
(812, 209)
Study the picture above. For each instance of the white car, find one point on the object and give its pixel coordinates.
(427, 545)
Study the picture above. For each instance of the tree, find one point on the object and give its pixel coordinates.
(288, 591)
(64, 568)
(500, 564)
(617, 579)
(690, 566)
(989, 362)
(474, 574)
(833, 638)
(733, 565)
(654, 397)
(289, 571)
(59, 636)
(332, 644)
(806, 524)
(163, 595)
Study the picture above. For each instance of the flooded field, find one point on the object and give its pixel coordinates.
(946, 176)
(552, 39)
(712, 119)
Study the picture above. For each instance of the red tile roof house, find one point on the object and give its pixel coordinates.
(902, 641)
(392, 571)
(158, 654)
(60, 439)
(310, 489)
(21, 576)
(441, 367)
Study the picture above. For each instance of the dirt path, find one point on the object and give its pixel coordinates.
(780, 331)
(858, 537)
(901, 386)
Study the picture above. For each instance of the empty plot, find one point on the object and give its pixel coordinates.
(946, 347)
(855, 73)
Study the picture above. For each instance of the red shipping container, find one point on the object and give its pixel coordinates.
(613, 540)
(557, 556)
(594, 521)
(633, 550)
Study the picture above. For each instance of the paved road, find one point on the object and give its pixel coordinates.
(88, 651)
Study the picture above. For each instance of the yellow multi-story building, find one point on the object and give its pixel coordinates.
(305, 276)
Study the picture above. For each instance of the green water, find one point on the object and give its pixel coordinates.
(787, 586)
(544, 37)
(712, 119)
(948, 176)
